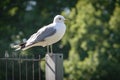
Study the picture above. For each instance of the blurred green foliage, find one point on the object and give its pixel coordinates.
(91, 45)
(94, 38)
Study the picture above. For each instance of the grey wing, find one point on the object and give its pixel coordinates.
(44, 34)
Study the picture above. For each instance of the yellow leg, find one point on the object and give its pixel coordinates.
(51, 49)
(48, 49)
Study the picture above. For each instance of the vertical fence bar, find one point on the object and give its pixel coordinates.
(39, 66)
(19, 68)
(26, 69)
(6, 68)
(6, 58)
(13, 69)
(33, 68)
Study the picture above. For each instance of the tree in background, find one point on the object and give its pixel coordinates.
(93, 36)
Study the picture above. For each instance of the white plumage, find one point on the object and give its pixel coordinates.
(47, 35)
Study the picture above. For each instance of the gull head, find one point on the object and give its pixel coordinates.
(59, 19)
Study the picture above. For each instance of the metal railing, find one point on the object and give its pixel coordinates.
(26, 68)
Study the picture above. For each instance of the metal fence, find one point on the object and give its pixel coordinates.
(20, 68)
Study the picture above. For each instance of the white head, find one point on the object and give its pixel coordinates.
(59, 19)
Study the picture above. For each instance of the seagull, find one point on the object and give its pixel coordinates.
(46, 36)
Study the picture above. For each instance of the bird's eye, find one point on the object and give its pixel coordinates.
(59, 18)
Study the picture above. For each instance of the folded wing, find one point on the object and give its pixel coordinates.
(41, 35)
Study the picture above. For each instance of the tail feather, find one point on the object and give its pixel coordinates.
(18, 49)
(20, 46)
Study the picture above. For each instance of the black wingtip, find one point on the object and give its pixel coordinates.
(22, 45)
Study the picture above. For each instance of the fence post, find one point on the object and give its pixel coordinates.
(54, 67)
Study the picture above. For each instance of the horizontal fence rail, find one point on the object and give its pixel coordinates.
(26, 68)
